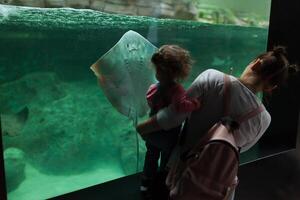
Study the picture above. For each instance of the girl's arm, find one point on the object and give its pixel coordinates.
(150, 125)
(150, 93)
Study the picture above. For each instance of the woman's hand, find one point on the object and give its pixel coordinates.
(148, 126)
(139, 130)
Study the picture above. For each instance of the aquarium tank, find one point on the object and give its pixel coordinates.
(60, 130)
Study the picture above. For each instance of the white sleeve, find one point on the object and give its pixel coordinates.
(168, 117)
(207, 79)
(258, 129)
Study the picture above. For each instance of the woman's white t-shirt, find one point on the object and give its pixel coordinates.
(209, 87)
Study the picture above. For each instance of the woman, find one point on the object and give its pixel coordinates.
(263, 74)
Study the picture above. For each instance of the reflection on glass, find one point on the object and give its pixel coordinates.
(60, 133)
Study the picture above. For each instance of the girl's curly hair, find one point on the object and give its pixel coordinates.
(173, 60)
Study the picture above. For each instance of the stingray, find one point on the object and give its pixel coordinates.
(124, 74)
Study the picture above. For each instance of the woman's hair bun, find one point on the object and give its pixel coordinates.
(293, 68)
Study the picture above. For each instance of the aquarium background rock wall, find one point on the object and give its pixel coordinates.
(209, 11)
(59, 130)
(159, 8)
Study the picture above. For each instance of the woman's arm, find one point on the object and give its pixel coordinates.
(182, 102)
(148, 126)
(165, 119)
(169, 117)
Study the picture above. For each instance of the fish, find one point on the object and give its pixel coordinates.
(124, 74)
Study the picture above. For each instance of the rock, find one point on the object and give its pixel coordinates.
(14, 161)
(145, 11)
(33, 3)
(61, 134)
(179, 9)
(35, 88)
(71, 135)
(121, 2)
(185, 11)
(30, 3)
(165, 10)
(55, 3)
(47, 86)
(78, 3)
(81, 127)
(169, 1)
(120, 8)
(97, 5)
(146, 3)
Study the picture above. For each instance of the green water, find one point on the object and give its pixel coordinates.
(73, 138)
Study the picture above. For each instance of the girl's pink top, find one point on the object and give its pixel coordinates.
(176, 95)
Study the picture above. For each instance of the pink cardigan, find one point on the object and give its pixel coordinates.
(176, 95)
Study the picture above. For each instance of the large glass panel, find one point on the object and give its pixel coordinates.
(60, 132)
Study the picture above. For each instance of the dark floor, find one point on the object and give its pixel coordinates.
(274, 178)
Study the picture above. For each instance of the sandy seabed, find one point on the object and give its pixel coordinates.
(39, 186)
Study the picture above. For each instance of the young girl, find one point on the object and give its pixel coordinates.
(172, 64)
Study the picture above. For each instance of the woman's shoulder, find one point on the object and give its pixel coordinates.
(213, 74)
(212, 77)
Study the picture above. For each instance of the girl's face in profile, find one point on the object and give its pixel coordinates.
(159, 74)
(162, 76)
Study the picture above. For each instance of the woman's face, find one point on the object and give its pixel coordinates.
(268, 88)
